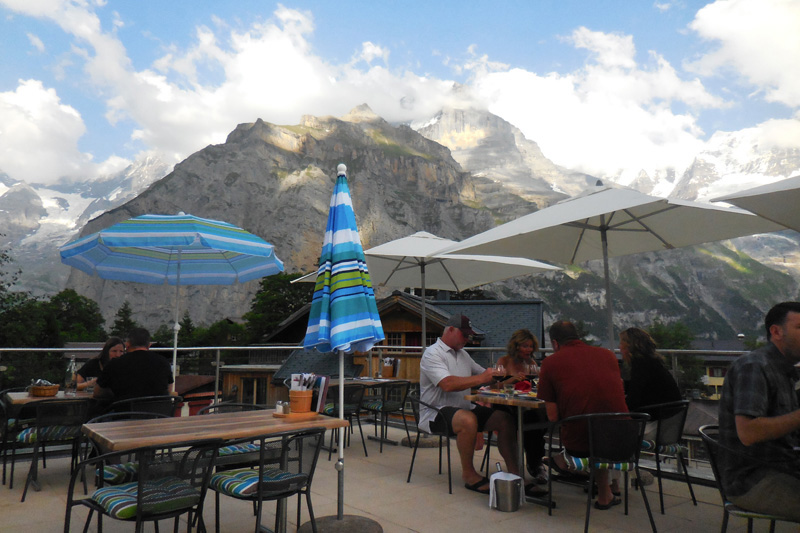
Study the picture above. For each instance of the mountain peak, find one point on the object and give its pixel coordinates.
(361, 113)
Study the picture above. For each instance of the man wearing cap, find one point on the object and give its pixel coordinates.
(447, 373)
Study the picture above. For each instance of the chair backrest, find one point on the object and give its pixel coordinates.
(710, 436)
(414, 400)
(671, 418)
(61, 412)
(615, 437)
(353, 394)
(164, 405)
(230, 407)
(395, 391)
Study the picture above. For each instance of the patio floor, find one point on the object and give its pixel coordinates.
(375, 487)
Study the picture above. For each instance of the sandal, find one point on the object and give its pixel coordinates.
(614, 501)
(477, 485)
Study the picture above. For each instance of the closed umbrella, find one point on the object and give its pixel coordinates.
(777, 201)
(611, 222)
(415, 261)
(175, 249)
(344, 316)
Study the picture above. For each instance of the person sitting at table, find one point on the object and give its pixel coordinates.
(520, 365)
(580, 379)
(91, 369)
(139, 372)
(650, 383)
(447, 373)
(759, 421)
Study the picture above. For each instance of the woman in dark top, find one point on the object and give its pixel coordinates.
(651, 382)
(88, 373)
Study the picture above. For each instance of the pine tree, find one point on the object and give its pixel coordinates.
(124, 322)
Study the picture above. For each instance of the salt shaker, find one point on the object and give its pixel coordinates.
(279, 407)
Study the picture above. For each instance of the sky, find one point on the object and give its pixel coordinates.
(603, 86)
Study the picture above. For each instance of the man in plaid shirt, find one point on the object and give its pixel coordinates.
(759, 421)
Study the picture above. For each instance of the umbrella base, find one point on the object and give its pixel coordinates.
(348, 524)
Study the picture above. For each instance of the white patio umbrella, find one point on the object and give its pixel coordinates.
(414, 261)
(612, 222)
(777, 201)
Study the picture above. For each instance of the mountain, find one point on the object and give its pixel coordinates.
(36, 219)
(276, 181)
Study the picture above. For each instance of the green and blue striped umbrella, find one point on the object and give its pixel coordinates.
(344, 316)
(175, 249)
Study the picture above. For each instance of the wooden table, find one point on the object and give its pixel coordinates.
(124, 435)
(19, 399)
(128, 434)
(521, 403)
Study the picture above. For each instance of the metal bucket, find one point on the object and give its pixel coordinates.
(507, 494)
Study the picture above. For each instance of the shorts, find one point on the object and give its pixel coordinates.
(444, 418)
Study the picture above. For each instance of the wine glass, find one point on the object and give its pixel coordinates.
(498, 373)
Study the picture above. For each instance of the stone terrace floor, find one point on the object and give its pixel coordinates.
(375, 487)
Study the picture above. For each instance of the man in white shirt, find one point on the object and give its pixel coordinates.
(447, 373)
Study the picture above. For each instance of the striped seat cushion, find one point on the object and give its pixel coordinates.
(244, 482)
(238, 449)
(670, 449)
(378, 405)
(49, 433)
(160, 496)
(331, 409)
(119, 473)
(581, 464)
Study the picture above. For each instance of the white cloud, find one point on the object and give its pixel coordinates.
(35, 42)
(757, 39)
(39, 135)
(371, 51)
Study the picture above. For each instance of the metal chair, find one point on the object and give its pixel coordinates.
(670, 418)
(415, 406)
(165, 404)
(57, 421)
(299, 451)
(391, 400)
(615, 441)
(12, 423)
(710, 436)
(242, 455)
(353, 397)
(171, 481)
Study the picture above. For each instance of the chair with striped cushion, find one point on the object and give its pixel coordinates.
(615, 441)
(353, 397)
(443, 437)
(57, 422)
(669, 419)
(163, 405)
(124, 470)
(171, 481)
(237, 455)
(293, 474)
(12, 423)
(710, 436)
(391, 400)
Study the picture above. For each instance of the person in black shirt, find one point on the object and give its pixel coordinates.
(139, 372)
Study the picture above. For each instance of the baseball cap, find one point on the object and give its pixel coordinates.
(463, 323)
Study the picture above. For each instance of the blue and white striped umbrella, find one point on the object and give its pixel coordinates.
(344, 316)
(176, 249)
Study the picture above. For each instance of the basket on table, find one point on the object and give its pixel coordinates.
(43, 390)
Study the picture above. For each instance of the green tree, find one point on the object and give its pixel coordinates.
(163, 335)
(186, 333)
(678, 336)
(78, 317)
(275, 301)
(123, 322)
(9, 275)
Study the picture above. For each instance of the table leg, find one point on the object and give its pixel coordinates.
(520, 431)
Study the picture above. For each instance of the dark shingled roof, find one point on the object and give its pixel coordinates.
(322, 364)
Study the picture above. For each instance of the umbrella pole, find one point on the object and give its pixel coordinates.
(424, 321)
(176, 326)
(340, 462)
(609, 310)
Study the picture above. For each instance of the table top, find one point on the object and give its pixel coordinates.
(501, 399)
(21, 398)
(128, 434)
(369, 382)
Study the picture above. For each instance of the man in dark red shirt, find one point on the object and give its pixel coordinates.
(580, 379)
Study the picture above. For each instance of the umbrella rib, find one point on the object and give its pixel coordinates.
(647, 228)
(584, 226)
